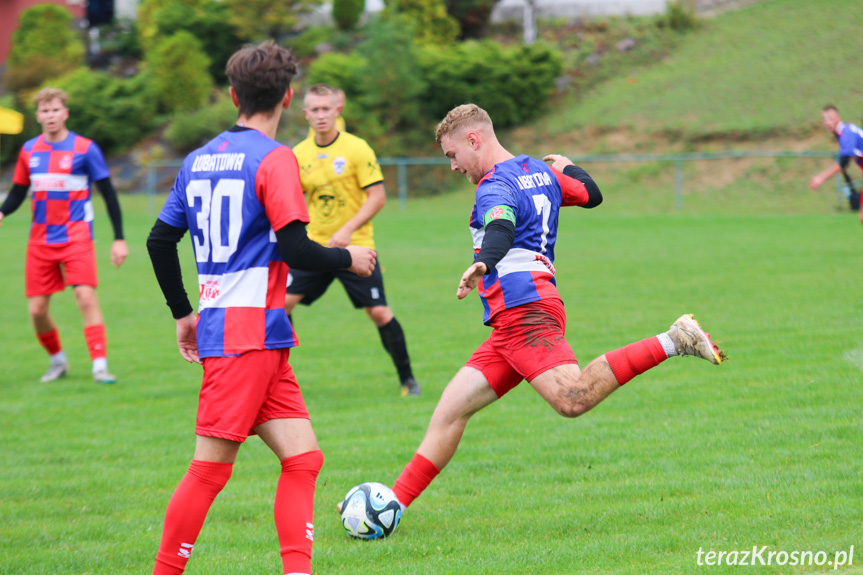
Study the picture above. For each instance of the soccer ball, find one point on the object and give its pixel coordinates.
(371, 511)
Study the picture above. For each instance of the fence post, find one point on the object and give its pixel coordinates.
(403, 184)
(151, 187)
(678, 184)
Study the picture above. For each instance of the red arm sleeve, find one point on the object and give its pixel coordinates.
(21, 176)
(277, 185)
(573, 191)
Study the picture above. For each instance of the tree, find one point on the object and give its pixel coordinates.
(179, 69)
(431, 23)
(262, 19)
(346, 13)
(472, 15)
(43, 47)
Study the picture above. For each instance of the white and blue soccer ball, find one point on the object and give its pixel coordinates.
(371, 511)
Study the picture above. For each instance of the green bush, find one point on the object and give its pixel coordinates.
(347, 13)
(188, 131)
(339, 70)
(208, 21)
(431, 23)
(114, 112)
(44, 46)
(512, 84)
(178, 67)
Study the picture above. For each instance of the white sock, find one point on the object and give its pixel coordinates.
(58, 358)
(667, 344)
(100, 364)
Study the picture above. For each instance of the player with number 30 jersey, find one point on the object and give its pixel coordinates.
(231, 194)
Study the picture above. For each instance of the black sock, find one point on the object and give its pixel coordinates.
(394, 342)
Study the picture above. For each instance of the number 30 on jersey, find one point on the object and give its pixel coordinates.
(221, 211)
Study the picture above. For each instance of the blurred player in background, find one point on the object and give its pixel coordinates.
(344, 186)
(59, 167)
(850, 139)
(240, 197)
(514, 228)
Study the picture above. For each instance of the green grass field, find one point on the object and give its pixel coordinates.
(763, 450)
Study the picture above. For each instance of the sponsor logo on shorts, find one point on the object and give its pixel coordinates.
(376, 294)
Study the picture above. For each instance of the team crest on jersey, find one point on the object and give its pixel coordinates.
(339, 165)
(66, 162)
(34, 161)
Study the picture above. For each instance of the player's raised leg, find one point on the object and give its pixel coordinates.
(573, 392)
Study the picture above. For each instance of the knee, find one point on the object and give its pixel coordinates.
(86, 300)
(570, 409)
(38, 309)
(380, 315)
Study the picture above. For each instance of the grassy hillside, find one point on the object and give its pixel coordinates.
(764, 69)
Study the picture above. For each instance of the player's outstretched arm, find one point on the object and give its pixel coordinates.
(299, 252)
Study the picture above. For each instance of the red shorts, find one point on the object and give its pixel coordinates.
(50, 268)
(525, 341)
(242, 392)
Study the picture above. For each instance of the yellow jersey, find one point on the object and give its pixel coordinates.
(334, 178)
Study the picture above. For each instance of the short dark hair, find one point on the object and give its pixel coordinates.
(260, 76)
(830, 107)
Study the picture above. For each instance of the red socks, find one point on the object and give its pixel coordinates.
(50, 341)
(414, 479)
(294, 510)
(186, 513)
(96, 342)
(635, 358)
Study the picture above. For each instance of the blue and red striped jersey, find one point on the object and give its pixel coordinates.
(529, 193)
(231, 195)
(59, 176)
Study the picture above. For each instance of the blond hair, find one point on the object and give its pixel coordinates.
(323, 90)
(461, 117)
(48, 94)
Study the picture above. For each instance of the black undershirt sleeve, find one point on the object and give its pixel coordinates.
(497, 241)
(162, 247)
(299, 252)
(594, 196)
(106, 188)
(844, 161)
(14, 199)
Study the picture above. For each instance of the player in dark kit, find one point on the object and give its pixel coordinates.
(240, 198)
(58, 167)
(514, 227)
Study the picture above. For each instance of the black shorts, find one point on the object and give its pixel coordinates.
(364, 292)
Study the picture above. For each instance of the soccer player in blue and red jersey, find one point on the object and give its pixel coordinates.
(58, 167)
(240, 198)
(850, 139)
(514, 227)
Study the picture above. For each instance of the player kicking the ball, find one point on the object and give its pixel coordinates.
(514, 228)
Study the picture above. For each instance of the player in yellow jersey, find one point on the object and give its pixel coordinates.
(340, 121)
(344, 188)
